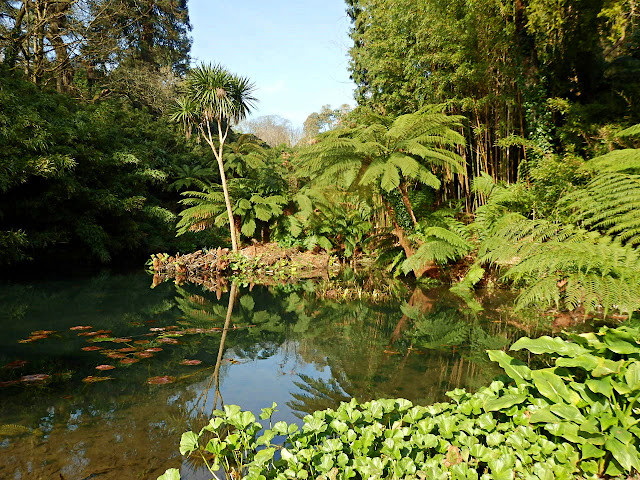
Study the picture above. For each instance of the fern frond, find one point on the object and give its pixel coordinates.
(627, 159)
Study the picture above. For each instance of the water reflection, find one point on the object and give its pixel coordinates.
(259, 345)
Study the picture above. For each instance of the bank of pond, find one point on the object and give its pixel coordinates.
(101, 377)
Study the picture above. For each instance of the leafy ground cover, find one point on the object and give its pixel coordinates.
(571, 413)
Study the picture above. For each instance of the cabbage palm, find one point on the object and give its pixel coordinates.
(212, 94)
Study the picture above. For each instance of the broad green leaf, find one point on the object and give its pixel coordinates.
(602, 386)
(543, 415)
(503, 402)
(264, 455)
(549, 345)
(632, 376)
(591, 451)
(551, 385)
(188, 443)
(570, 431)
(515, 369)
(626, 455)
(598, 366)
(170, 474)
(568, 412)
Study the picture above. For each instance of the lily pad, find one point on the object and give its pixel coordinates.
(162, 380)
(16, 364)
(81, 327)
(92, 379)
(154, 349)
(9, 383)
(128, 361)
(190, 362)
(91, 349)
(143, 354)
(105, 367)
(116, 355)
(36, 377)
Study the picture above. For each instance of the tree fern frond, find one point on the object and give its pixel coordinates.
(630, 132)
(615, 161)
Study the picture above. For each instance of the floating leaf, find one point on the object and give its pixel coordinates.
(9, 383)
(162, 380)
(33, 338)
(122, 340)
(127, 349)
(16, 364)
(81, 327)
(116, 355)
(143, 354)
(92, 379)
(88, 334)
(141, 342)
(128, 361)
(157, 329)
(153, 350)
(42, 332)
(171, 341)
(190, 362)
(36, 377)
(91, 349)
(105, 367)
(171, 474)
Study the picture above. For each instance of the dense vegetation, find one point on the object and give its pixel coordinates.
(491, 135)
(575, 418)
(491, 141)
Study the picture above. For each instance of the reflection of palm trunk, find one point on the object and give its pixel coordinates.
(418, 299)
(216, 372)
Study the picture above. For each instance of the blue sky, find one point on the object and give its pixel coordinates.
(294, 51)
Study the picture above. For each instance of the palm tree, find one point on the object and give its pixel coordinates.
(211, 94)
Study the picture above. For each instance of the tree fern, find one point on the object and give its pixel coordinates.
(565, 264)
(610, 204)
(587, 256)
(442, 239)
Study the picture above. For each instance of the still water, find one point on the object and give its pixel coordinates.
(168, 356)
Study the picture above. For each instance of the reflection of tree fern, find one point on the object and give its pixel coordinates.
(445, 329)
(320, 394)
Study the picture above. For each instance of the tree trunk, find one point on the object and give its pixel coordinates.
(408, 247)
(407, 203)
(225, 188)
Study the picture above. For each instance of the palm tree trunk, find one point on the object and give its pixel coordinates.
(223, 180)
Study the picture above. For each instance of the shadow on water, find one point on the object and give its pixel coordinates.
(168, 357)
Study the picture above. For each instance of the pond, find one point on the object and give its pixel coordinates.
(168, 356)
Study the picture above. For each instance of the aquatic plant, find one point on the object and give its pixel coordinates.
(574, 418)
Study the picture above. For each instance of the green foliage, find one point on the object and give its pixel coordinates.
(575, 418)
(83, 181)
(442, 239)
(385, 152)
(338, 222)
(581, 253)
